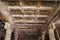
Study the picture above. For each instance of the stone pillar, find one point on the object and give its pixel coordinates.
(16, 34)
(8, 31)
(57, 34)
(51, 33)
(39, 37)
(43, 36)
(8, 35)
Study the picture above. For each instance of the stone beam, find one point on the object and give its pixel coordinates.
(28, 7)
(29, 21)
(30, 15)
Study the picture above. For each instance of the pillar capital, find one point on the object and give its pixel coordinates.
(52, 26)
(7, 26)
